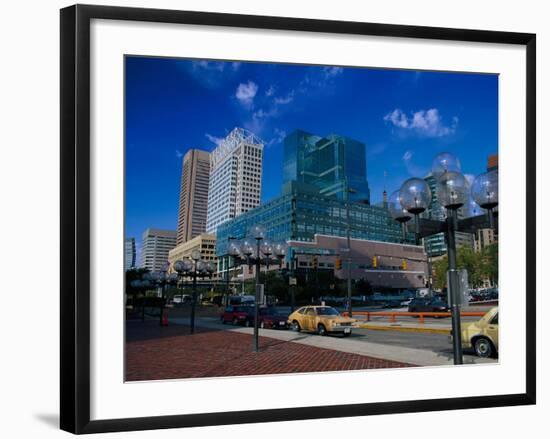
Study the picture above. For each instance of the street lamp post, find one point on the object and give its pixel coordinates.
(159, 279)
(452, 193)
(227, 259)
(258, 233)
(194, 268)
(233, 251)
(348, 243)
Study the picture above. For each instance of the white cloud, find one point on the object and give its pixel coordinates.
(208, 65)
(424, 122)
(270, 91)
(246, 92)
(332, 71)
(285, 100)
(397, 118)
(407, 156)
(211, 74)
(278, 137)
(214, 139)
(179, 154)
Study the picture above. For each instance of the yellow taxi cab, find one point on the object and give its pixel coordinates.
(482, 336)
(321, 319)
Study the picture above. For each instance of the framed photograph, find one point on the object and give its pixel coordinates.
(274, 218)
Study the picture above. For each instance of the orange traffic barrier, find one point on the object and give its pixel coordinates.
(421, 315)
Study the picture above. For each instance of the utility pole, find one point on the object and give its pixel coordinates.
(348, 239)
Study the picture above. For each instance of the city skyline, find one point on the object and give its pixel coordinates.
(403, 117)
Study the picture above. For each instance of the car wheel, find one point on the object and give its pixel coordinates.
(235, 321)
(483, 347)
(295, 326)
(262, 324)
(347, 334)
(321, 330)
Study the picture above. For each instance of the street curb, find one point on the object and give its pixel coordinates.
(406, 329)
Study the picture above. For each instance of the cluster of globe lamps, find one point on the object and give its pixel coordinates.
(453, 191)
(194, 267)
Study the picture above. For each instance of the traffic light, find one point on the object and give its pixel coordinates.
(338, 263)
(374, 262)
(404, 264)
(314, 263)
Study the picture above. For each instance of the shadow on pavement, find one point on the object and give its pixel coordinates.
(136, 330)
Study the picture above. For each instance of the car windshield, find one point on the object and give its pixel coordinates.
(327, 311)
(243, 309)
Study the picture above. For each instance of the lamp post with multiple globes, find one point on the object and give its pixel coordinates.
(194, 267)
(453, 192)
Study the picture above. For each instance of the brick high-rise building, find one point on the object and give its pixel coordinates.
(193, 203)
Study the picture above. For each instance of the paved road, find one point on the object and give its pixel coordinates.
(422, 349)
(438, 343)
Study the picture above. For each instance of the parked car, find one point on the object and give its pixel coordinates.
(238, 315)
(406, 302)
(428, 304)
(273, 317)
(391, 304)
(322, 319)
(482, 336)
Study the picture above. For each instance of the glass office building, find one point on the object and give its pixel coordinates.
(330, 163)
(301, 212)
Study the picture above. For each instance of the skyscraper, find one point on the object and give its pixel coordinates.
(156, 244)
(235, 177)
(193, 203)
(331, 164)
(129, 253)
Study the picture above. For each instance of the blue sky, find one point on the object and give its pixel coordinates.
(404, 118)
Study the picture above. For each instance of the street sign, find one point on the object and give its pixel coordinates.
(292, 281)
(261, 296)
(461, 283)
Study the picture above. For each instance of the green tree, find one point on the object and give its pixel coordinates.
(490, 255)
(480, 266)
(440, 273)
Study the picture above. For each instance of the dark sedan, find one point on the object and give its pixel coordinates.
(275, 318)
(428, 304)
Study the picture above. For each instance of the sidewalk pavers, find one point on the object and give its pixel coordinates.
(155, 353)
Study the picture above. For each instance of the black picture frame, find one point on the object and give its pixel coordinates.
(75, 217)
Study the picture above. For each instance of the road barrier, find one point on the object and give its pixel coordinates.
(421, 315)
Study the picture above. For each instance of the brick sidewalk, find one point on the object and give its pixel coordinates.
(155, 353)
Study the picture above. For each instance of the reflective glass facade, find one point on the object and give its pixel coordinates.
(301, 212)
(327, 163)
